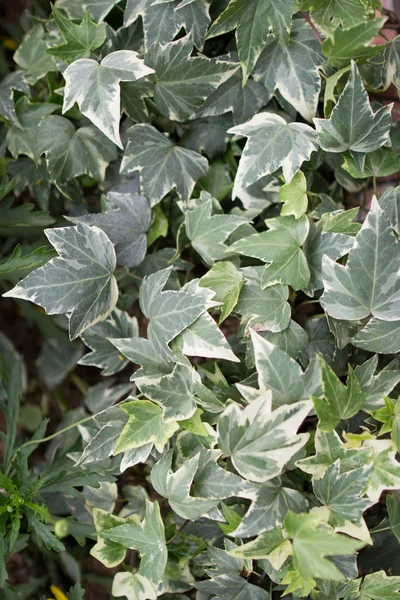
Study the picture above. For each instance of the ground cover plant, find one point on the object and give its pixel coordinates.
(200, 319)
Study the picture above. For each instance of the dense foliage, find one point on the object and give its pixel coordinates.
(176, 177)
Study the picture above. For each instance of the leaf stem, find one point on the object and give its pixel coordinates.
(309, 21)
(379, 530)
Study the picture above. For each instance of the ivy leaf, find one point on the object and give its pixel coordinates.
(79, 283)
(32, 56)
(104, 355)
(161, 165)
(23, 215)
(272, 143)
(196, 17)
(312, 543)
(280, 246)
(96, 88)
(349, 44)
(212, 481)
(175, 486)
(18, 265)
(109, 553)
(270, 545)
(72, 152)
(278, 372)
(148, 537)
(293, 69)
(353, 125)
(182, 82)
(252, 21)
(379, 336)
(230, 586)
(11, 82)
(328, 14)
(341, 222)
(126, 224)
(207, 233)
(99, 8)
(342, 493)
(246, 436)
(145, 425)
(339, 402)
(294, 196)
(226, 281)
(133, 586)
(268, 307)
(375, 386)
(378, 586)
(80, 39)
(380, 163)
(368, 284)
(385, 468)
(390, 203)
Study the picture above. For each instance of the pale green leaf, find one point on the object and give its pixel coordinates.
(349, 44)
(341, 221)
(268, 307)
(379, 586)
(379, 336)
(226, 281)
(109, 553)
(32, 57)
(294, 196)
(380, 163)
(133, 586)
(328, 14)
(385, 468)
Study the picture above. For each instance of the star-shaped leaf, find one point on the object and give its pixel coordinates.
(385, 468)
(109, 553)
(72, 152)
(328, 14)
(104, 355)
(182, 82)
(353, 125)
(377, 385)
(32, 56)
(378, 586)
(272, 143)
(145, 425)
(207, 233)
(96, 88)
(369, 283)
(126, 224)
(133, 586)
(175, 486)
(161, 165)
(79, 283)
(353, 43)
(226, 281)
(148, 537)
(80, 39)
(212, 481)
(259, 441)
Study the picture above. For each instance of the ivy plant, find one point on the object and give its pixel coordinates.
(188, 227)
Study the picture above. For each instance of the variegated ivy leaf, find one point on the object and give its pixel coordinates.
(369, 284)
(148, 537)
(385, 468)
(212, 481)
(196, 18)
(343, 493)
(281, 374)
(280, 246)
(126, 222)
(104, 355)
(271, 545)
(252, 21)
(96, 88)
(379, 586)
(207, 233)
(377, 385)
(175, 486)
(109, 553)
(182, 82)
(354, 43)
(272, 143)
(293, 69)
(226, 281)
(390, 204)
(72, 152)
(11, 82)
(259, 441)
(328, 14)
(133, 586)
(161, 22)
(353, 125)
(79, 40)
(379, 336)
(102, 444)
(79, 282)
(161, 165)
(99, 8)
(339, 402)
(292, 340)
(392, 68)
(145, 426)
(231, 586)
(294, 196)
(32, 56)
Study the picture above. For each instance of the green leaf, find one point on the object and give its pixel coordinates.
(159, 226)
(104, 355)
(345, 45)
(385, 468)
(80, 39)
(145, 425)
(246, 436)
(341, 222)
(99, 9)
(393, 507)
(18, 265)
(339, 402)
(379, 336)
(212, 481)
(293, 69)
(109, 553)
(376, 386)
(182, 82)
(175, 486)
(11, 82)
(226, 281)
(79, 283)
(328, 14)
(161, 21)
(23, 215)
(380, 163)
(126, 224)
(161, 165)
(280, 246)
(378, 586)
(294, 196)
(353, 125)
(133, 587)
(272, 143)
(22, 137)
(368, 284)
(312, 543)
(250, 20)
(270, 545)
(96, 88)
(208, 232)
(32, 56)
(148, 537)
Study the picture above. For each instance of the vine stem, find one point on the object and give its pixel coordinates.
(379, 530)
(315, 30)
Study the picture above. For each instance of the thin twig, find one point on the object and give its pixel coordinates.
(315, 30)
